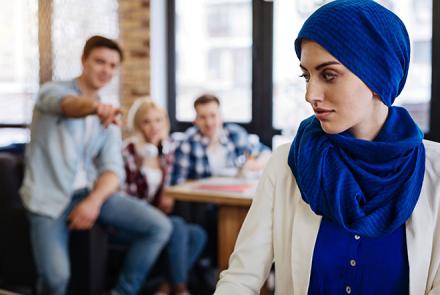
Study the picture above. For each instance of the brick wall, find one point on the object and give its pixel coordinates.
(134, 36)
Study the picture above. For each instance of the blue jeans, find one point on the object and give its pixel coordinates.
(148, 227)
(184, 247)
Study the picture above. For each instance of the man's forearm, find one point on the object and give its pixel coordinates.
(78, 106)
(106, 184)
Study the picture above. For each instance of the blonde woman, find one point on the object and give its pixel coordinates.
(148, 156)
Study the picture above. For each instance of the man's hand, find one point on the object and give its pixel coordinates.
(84, 215)
(252, 164)
(108, 114)
(253, 167)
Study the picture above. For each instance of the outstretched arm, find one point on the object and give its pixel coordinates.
(82, 106)
(61, 100)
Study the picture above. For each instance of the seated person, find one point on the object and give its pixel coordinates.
(148, 155)
(211, 148)
(73, 172)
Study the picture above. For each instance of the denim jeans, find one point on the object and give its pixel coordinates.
(149, 230)
(184, 247)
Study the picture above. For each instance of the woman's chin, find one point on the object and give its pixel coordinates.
(331, 128)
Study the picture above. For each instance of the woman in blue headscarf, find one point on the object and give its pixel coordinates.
(352, 205)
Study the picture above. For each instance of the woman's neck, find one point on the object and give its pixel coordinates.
(375, 121)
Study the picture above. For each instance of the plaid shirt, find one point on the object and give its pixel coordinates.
(136, 182)
(191, 159)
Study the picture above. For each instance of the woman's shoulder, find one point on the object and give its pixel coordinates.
(432, 164)
(431, 146)
(129, 141)
(128, 146)
(281, 152)
(278, 161)
(431, 180)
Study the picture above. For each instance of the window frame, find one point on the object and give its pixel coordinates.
(434, 119)
(44, 54)
(262, 73)
(262, 14)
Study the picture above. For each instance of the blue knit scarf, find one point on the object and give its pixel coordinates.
(368, 187)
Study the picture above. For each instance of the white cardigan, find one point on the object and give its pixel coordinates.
(281, 228)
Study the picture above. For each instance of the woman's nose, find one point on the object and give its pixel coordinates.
(314, 92)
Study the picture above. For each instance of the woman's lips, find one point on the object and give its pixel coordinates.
(322, 114)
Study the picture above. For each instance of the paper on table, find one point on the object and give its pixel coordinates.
(239, 188)
(237, 185)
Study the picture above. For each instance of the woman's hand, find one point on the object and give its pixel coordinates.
(166, 204)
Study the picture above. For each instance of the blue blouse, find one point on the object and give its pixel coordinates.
(345, 263)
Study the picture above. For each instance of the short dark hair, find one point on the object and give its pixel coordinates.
(100, 41)
(206, 98)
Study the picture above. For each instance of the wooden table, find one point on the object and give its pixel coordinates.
(233, 207)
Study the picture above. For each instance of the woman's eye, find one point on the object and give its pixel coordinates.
(328, 76)
(305, 76)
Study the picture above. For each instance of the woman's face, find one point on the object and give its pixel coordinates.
(340, 100)
(153, 126)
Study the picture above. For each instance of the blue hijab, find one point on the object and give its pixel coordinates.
(368, 187)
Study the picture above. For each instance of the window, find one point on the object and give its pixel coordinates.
(214, 55)
(18, 60)
(18, 68)
(69, 23)
(74, 21)
(416, 96)
(277, 93)
(288, 88)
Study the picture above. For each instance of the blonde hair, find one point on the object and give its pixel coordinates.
(137, 111)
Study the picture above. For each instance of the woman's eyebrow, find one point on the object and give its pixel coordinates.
(320, 66)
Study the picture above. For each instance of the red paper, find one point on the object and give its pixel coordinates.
(239, 188)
